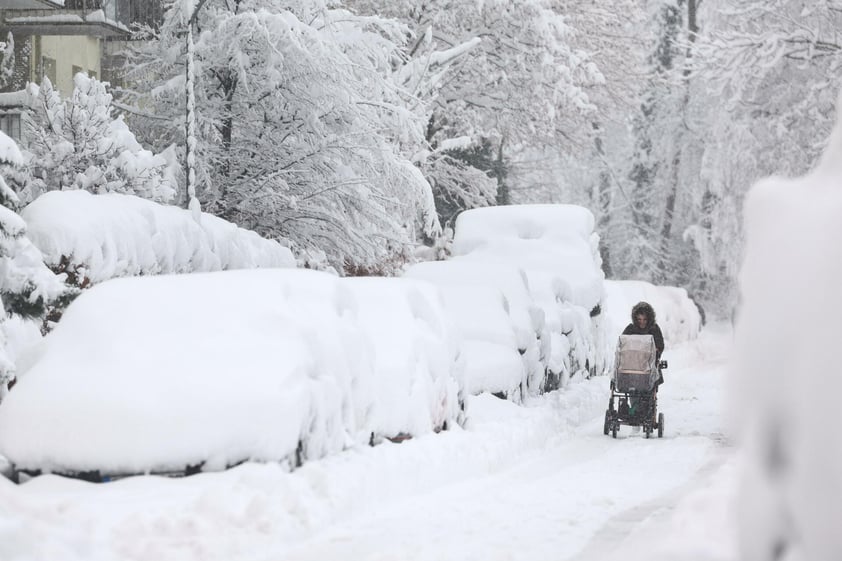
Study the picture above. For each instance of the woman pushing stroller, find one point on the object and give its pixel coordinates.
(637, 375)
(643, 323)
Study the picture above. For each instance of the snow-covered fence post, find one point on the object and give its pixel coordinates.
(192, 201)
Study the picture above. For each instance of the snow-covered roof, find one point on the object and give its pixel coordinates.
(32, 4)
(21, 99)
(63, 22)
(114, 235)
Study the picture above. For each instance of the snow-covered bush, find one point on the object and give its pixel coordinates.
(27, 287)
(499, 324)
(557, 248)
(98, 237)
(163, 372)
(786, 377)
(78, 143)
(676, 314)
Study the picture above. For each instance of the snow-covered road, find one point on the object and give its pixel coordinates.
(533, 483)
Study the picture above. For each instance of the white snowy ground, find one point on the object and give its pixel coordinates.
(538, 482)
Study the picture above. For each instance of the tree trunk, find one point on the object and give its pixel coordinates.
(230, 88)
(602, 202)
(504, 196)
(672, 195)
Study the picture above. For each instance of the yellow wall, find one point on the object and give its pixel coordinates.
(67, 51)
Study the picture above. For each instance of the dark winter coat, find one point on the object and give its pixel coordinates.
(651, 327)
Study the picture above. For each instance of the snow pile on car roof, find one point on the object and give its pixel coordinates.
(159, 373)
(559, 239)
(557, 249)
(116, 235)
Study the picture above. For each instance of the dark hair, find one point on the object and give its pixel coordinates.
(645, 309)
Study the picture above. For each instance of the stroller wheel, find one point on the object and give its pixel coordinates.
(614, 426)
(607, 424)
(660, 425)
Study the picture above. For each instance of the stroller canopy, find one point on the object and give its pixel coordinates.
(636, 354)
(635, 364)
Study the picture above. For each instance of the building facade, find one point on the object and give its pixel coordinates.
(57, 40)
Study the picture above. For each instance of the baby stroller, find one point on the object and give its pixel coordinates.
(637, 374)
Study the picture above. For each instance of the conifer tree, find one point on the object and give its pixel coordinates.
(27, 287)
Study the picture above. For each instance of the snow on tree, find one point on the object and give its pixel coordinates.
(300, 128)
(7, 61)
(769, 72)
(774, 67)
(27, 286)
(459, 178)
(522, 84)
(656, 152)
(461, 174)
(78, 143)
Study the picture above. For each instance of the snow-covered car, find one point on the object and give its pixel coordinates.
(487, 338)
(182, 373)
(416, 371)
(676, 313)
(557, 249)
(493, 308)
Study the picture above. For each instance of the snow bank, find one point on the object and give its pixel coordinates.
(676, 314)
(786, 378)
(115, 235)
(159, 373)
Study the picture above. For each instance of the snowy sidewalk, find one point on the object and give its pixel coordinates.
(538, 482)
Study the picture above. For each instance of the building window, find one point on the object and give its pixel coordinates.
(10, 124)
(92, 74)
(48, 68)
(76, 70)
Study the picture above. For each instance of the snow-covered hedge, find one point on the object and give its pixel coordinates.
(488, 332)
(557, 248)
(677, 315)
(113, 235)
(787, 379)
(159, 373)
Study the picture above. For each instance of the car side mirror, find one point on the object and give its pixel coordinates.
(663, 365)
